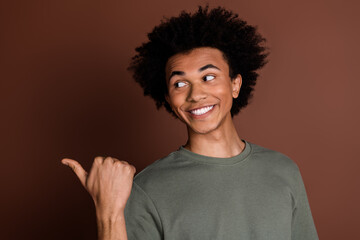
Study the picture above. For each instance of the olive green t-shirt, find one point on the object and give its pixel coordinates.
(258, 194)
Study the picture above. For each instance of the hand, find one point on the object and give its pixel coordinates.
(109, 184)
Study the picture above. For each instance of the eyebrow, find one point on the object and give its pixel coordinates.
(181, 73)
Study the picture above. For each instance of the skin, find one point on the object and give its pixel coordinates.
(109, 183)
(196, 79)
(192, 85)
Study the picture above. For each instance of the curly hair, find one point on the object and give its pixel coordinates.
(219, 28)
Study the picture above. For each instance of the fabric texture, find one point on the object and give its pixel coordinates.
(258, 194)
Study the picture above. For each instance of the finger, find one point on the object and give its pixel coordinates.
(124, 162)
(109, 160)
(115, 159)
(133, 168)
(77, 168)
(98, 161)
(127, 164)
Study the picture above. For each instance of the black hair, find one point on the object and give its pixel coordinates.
(219, 28)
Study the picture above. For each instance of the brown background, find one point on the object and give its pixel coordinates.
(65, 92)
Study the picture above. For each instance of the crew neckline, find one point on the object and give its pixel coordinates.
(217, 160)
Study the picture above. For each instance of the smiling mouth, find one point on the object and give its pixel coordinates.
(201, 111)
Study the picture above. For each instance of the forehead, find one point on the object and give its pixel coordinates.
(196, 58)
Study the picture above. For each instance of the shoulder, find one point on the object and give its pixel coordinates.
(276, 166)
(273, 160)
(156, 173)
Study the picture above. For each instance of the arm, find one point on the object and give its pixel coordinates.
(109, 183)
(303, 226)
(108, 229)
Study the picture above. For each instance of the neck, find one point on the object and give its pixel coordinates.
(222, 142)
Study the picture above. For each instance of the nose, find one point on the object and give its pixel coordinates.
(196, 93)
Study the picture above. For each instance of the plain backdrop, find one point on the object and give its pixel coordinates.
(65, 92)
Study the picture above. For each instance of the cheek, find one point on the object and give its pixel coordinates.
(225, 93)
(176, 100)
(176, 103)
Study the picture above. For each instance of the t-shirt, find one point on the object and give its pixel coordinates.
(257, 194)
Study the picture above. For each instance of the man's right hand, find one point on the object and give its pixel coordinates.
(109, 184)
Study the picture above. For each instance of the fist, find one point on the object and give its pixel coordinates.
(109, 183)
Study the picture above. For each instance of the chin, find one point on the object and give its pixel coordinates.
(203, 129)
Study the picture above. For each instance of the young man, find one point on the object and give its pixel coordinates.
(201, 67)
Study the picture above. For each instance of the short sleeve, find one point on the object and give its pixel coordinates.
(141, 217)
(302, 226)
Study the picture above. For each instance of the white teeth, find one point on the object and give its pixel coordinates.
(201, 111)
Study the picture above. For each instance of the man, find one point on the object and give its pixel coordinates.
(201, 68)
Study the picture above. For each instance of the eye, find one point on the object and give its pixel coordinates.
(208, 77)
(179, 84)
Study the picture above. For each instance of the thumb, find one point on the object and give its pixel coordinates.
(77, 168)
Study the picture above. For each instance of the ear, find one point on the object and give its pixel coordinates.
(236, 85)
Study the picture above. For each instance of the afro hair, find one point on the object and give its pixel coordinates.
(219, 28)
